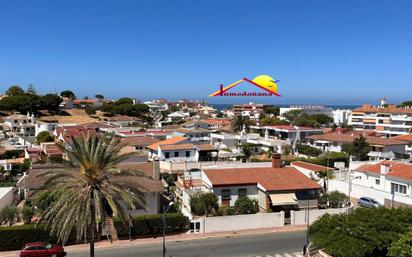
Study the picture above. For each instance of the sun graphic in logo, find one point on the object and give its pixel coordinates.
(266, 82)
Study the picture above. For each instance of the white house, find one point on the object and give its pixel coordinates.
(286, 132)
(23, 125)
(389, 177)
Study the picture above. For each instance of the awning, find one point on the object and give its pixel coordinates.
(283, 199)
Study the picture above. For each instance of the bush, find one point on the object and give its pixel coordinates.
(153, 224)
(44, 137)
(335, 199)
(10, 214)
(90, 111)
(308, 150)
(27, 213)
(203, 203)
(226, 211)
(15, 237)
(245, 205)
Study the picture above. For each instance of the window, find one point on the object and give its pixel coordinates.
(176, 154)
(242, 192)
(167, 155)
(377, 181)
(225, 194)
(398, 188)
(187, 153)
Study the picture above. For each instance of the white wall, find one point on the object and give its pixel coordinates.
(6, 197)
(252, 193)
(299, 217)
(360, 191)
(242, 222)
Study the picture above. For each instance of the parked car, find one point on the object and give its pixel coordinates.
(368, 202)
(36, 249)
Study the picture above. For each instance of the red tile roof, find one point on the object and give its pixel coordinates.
(390, 109)
(407, 137)
(140, 141)
(271, 179)
(310, 166)
(396, 169)
(170, 141)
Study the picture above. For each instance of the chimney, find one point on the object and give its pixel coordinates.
(385, 169)
(276, 161)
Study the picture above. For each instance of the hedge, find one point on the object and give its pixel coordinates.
(153, 225)
(15, 237)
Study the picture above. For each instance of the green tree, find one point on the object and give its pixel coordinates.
(31, 89)
(292, 115)
(322, 119)
(240, 121)
(44, 137)
(99, 97)
(15, 91)
(247, 151)
(51, 102)
(366, 232)
(270, 109)
(27, 213)
(210, 202)
(10, 214)
(69, 94)
(308, 150)
(245, 205)
(97, 186)
(90, 111)
(402, 247)
(359, 148)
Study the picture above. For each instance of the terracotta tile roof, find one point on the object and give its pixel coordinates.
(407, 137)
(176, 147)
(391, 109)
(396, 169)
(222, 122)
(170, 141)
(140, 141)
(347, 138)
(205, 147)
(310, 166)
(287, 178)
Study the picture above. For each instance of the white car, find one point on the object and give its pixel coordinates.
(19, 145)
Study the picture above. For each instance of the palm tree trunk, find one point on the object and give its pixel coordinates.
(92, 225)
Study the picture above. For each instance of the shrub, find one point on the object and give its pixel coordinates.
(153, 224)
(90, 111)
(10, 214)
(44, 137)
(245, 205)
(226, 211)
(308, 150)
(27, 213)
(335, 199)
(203, 203)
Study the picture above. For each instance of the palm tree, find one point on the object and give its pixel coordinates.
(240, 121)
(91, 190)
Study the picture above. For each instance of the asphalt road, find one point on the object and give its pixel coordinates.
(238, 246)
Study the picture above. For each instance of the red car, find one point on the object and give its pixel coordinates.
(41, 249)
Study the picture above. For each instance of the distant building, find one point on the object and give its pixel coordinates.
(308, 109)
(250, 110)
(286, 132)
(22, 125)
(388, 120)
(341, 117)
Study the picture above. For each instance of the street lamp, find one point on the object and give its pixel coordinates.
(350, 188)
(164, 227)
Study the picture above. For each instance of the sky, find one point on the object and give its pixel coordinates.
(322, 52)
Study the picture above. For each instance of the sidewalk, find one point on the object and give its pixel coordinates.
(173, 238)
